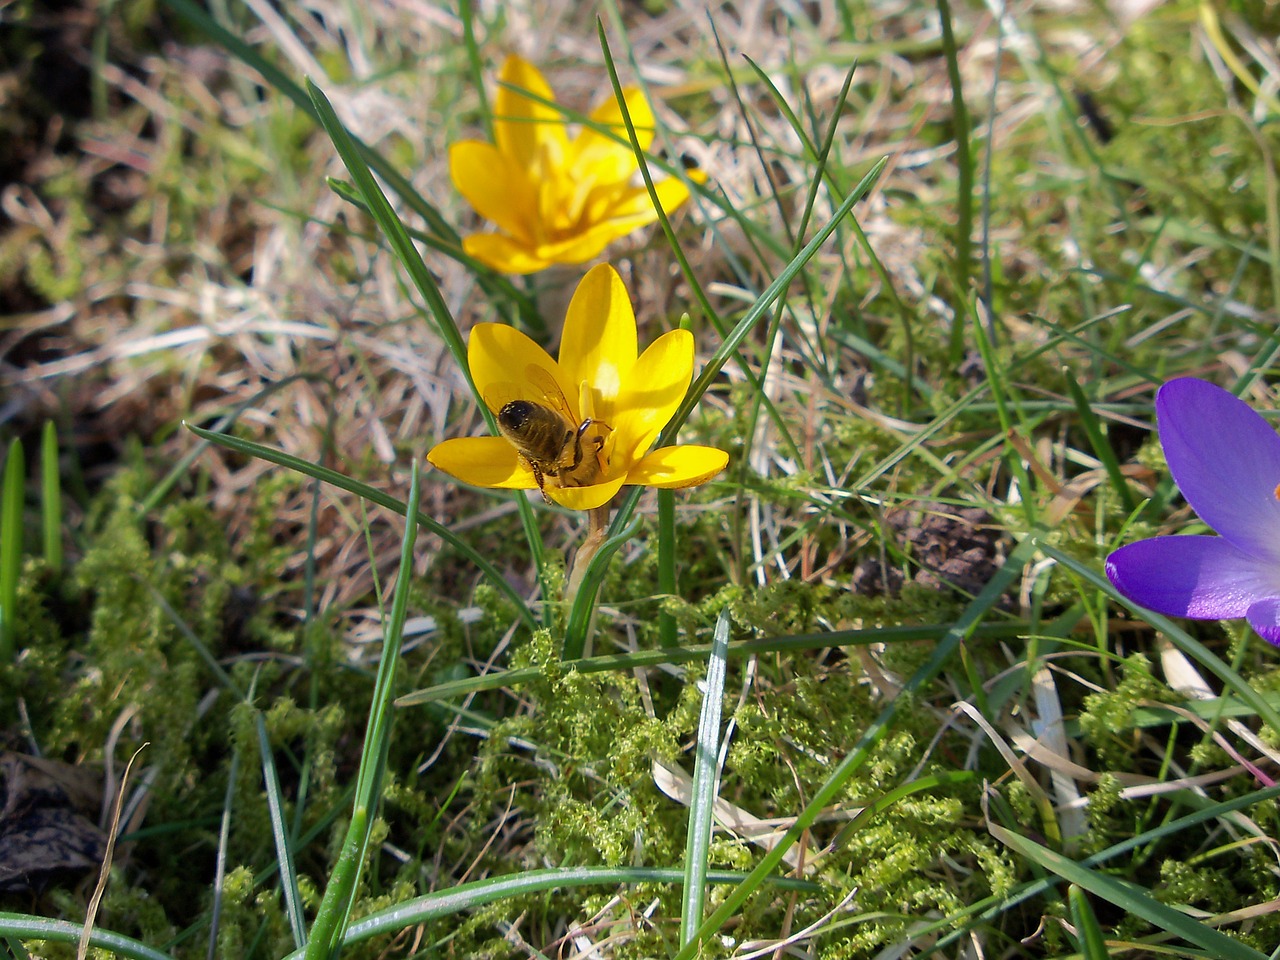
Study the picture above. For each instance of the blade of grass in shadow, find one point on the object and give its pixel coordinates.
(280, 836)
(342, 482)
(11, 498)
(199, 646)
(386, 218)
(1089, 938)
(1101, 448)
(1128, 897)
(861, 752)
(325, 942)
(1181, 639)
(705, 777)
(51, 497)
(584, 602)
(478, 893)
(220, 858)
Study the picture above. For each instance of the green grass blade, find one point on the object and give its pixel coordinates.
(1004, 399)
(398, 237)
(51, 497)
(11, 499)
(853, 761)
(990, 908)
(393, 229)
(498, 286)
(964, 177)
(478, 893)
(1101, 448)
(220, 858)
(691, 277)
(705, 777)
(1093, 946)
(584, 602)
(475, 66)
(761, 307)
(795, 643)
(667, 563)
(61, 931)
(277, 78)
(342, 482)
(280, 836)
(327, 935)
(1129, 898)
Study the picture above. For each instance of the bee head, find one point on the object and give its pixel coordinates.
(514, 414)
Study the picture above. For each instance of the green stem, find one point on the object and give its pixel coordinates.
(578, 644)
(11, 491)
(667, 563)
(964, 184)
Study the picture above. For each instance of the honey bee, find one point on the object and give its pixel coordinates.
(560, 451)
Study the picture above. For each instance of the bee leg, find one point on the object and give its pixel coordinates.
(539, 476)
(577, 447)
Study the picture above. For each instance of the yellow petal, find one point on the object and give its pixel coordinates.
(504, 362)
(594, 155)
(633, 208)
(657, 384)
(581, 246)
(525, 128)
(684, 466)
(506, 254)
(482, 462)
(598, 346)
(495, 186)
(586, 498)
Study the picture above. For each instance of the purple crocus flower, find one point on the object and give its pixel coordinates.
(1226, 461)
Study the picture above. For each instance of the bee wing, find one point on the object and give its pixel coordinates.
(552, 395)
(498, 395)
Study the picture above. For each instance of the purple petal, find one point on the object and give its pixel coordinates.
(1264, 617)
(1226, 461)
(1205, 578)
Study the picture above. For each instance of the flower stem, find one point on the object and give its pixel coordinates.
(597, 527)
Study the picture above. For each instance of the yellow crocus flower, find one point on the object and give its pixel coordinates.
(555, 200)
(613, 403)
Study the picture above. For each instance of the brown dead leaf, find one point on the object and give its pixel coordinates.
(43, 828)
